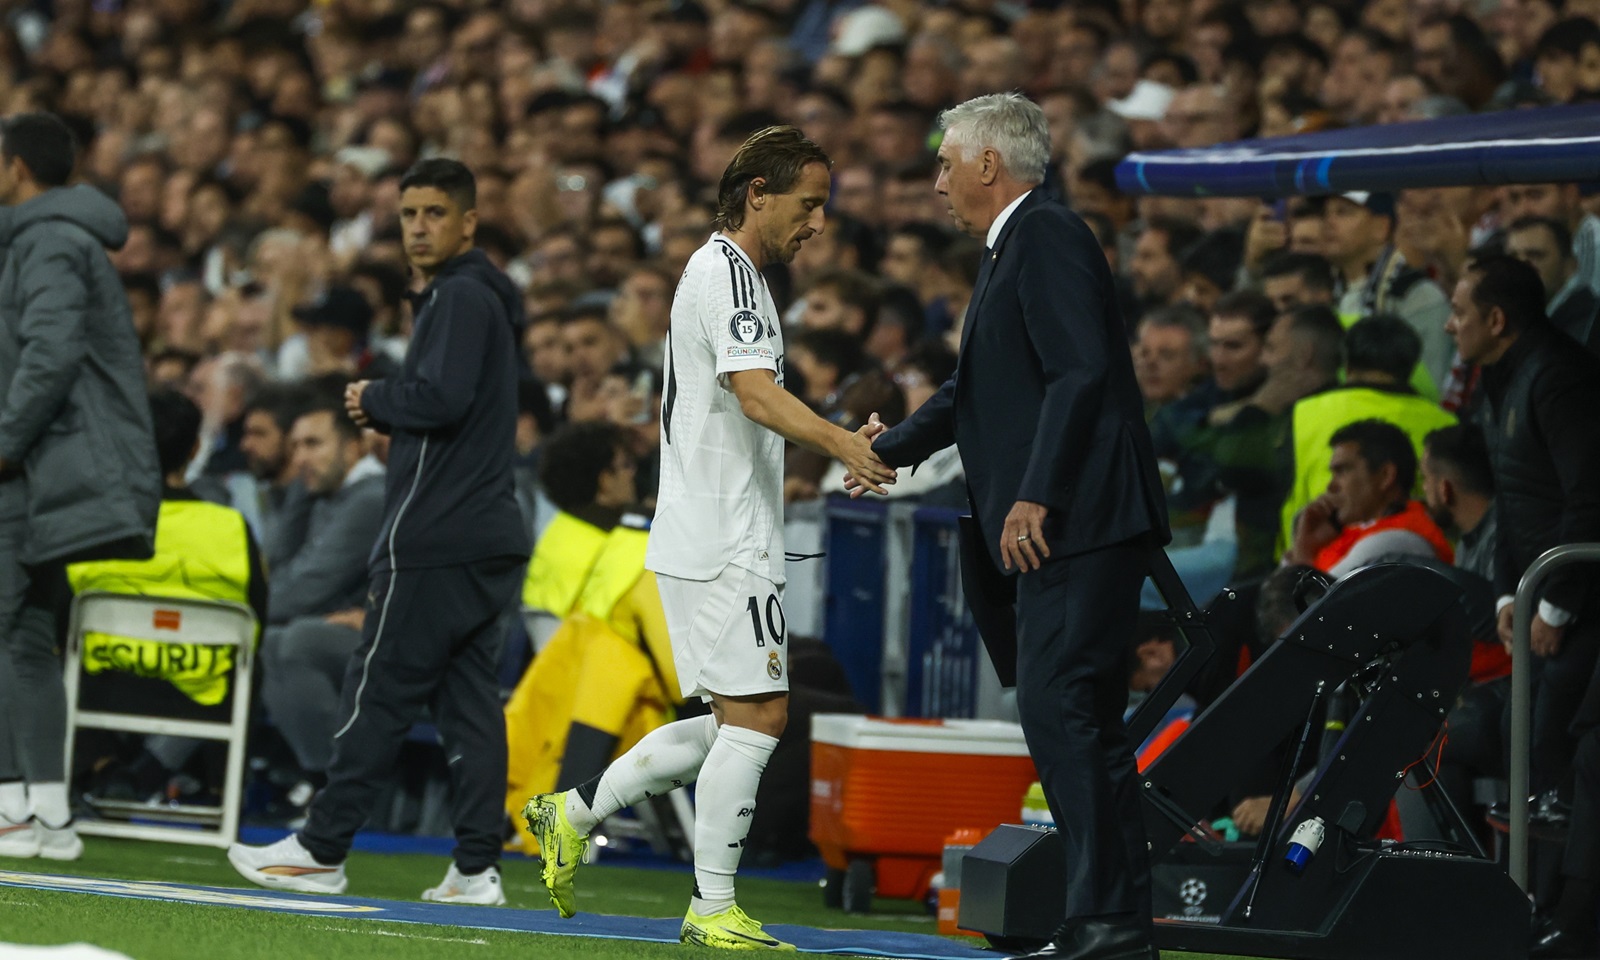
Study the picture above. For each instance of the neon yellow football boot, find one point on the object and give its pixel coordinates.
(561, 847)
(728, 930)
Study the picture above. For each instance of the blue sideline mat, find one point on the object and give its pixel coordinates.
(805, 871)
(868, 943)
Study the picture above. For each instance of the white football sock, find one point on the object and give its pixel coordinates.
(48, 802)
(725, 803)
(14, 801)
(665, 759)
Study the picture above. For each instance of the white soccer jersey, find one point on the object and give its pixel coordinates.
(721, 496)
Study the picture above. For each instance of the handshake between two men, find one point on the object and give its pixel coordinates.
(1022, 541)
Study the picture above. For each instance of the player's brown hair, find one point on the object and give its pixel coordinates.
(775, 156)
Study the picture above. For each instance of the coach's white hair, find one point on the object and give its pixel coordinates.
(1010, 123)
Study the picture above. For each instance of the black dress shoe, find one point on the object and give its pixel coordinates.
(1549, 810)
(1553, 941)
(1544, 809)
(1098, 939)
(1549, 817)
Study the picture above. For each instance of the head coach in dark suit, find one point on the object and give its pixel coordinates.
(1065, 495)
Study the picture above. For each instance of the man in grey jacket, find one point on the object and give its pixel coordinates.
(319, 586)
(78, 472)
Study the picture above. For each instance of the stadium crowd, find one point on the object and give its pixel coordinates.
(256, 148)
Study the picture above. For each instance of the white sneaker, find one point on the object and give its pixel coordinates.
(58, 843)
(18, 839)
(484, 889)
(286, 865)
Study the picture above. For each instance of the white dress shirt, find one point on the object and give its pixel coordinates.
(1000, 221)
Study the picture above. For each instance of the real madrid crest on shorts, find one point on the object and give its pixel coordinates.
(746, 326)
(774, 668)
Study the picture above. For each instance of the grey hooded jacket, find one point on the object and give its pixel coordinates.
(74, 412)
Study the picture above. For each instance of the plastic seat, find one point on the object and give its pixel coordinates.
(179, 621)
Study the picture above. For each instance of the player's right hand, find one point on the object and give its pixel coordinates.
(866, 471)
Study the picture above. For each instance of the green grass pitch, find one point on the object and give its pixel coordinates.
(156, 930)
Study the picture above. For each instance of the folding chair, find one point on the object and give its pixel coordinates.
(168, 620)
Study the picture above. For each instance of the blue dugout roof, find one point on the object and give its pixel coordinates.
(1541, 145)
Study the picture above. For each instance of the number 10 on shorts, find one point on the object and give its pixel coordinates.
(775, 622)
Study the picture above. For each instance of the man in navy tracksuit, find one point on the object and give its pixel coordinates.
(448, 561)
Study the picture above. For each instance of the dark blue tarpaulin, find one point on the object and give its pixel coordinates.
(1544, 145)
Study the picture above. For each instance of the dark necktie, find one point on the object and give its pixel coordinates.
(978, 287)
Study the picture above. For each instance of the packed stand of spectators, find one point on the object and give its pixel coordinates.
(257, 147)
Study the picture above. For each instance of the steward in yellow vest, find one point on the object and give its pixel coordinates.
(1318, 417)
(563, 557)
(604, 681)
(1380, 353)
(587, 471)
(606, 677)
(1420, 380)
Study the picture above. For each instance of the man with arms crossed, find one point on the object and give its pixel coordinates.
(447, 563)
(717, 541)
(1064, 487)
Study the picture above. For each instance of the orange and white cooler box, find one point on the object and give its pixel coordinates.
(891, 791)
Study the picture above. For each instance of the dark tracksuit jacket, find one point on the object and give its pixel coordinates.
(447, 562)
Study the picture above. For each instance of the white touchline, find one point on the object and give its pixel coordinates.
(397, 933)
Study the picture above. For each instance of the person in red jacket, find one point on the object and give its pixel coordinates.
(1367, 512)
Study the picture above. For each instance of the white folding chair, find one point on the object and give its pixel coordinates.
(168, 620)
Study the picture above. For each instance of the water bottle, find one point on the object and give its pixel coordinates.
(948, 902)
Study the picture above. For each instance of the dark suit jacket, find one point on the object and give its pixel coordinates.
(1043, 405)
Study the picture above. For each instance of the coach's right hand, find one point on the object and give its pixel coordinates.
(865, 470)
(352, 403)
(873, 428)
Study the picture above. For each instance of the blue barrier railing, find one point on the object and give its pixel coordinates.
(856, 539)
(944, 652)
(1522, 691)
(895, 616)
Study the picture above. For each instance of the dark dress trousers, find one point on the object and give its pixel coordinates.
(1044, 408)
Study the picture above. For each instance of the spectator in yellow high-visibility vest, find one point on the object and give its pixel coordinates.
(607, 676)
(590, 480)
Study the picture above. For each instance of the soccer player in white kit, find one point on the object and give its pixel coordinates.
(716, 545)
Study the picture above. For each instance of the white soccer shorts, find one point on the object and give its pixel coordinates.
(728, 634)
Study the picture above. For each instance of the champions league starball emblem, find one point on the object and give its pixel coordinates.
(1193, 893)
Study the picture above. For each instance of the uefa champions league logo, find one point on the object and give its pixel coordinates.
(1193, 894)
